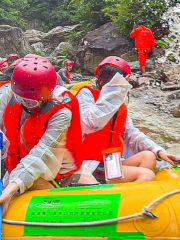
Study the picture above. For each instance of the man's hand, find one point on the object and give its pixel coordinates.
(128, 77)
(168, 157)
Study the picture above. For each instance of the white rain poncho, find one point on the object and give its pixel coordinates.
(95, 115)
(4, 87)
(49, 156)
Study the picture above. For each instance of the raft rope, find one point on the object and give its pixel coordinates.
(144, 212)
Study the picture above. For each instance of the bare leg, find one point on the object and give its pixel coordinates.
(143, 70)
(144, 159)
(135, 174)
(41, 184)
(87, 179)
(139, 167)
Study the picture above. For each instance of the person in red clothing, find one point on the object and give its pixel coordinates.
(11, 58)
(144, 42)
(3, 65)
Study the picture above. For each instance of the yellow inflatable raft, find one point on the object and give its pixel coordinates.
(128, 211)
(74, 87)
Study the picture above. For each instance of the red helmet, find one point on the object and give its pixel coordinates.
(68, 64)
(115, 62)
(34, 78)
(3, 60)
(13, 55)
(16, 62)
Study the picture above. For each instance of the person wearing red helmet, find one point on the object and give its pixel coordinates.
(5, 78)
(40, 129)
(64, 73)
(11, 58)
(106, 127)
(3, 65)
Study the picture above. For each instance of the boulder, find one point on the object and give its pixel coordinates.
(176, 112)
(57, 61)
(170, 87)
(38, 48)
(13, 40)
(106, 37)
(130, 56)
(61, 49)
(174, 95)
(34, 36)
(143, 80)
(135, 65)
(134, 81)
(100, 43)
(57, 35)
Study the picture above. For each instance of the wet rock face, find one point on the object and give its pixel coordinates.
(13, 39)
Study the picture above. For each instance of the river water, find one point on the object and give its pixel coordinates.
(162, 128)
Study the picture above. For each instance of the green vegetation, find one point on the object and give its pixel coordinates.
(38, 52)
(50, 13)
(90, 14)
(162, 44)
(171, 57)
(64, 52)
(125, 12)
(74, 37)
(11, 12)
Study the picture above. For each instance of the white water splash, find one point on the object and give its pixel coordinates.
(173, 39)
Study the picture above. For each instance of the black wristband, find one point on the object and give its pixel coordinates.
(157, 154)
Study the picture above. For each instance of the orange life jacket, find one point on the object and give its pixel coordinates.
(111, 136)
(24, 139)
(3, 83)
(68, 74)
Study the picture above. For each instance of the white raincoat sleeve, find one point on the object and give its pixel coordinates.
(135, 141)
(49, 156)
(95, 115)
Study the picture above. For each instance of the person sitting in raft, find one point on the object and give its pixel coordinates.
(40, 129)
(3, 65)
(64, 73)
(105, 124)
(11, 58)
(5, 79)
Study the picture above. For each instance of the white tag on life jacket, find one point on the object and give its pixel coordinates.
(112, 165)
